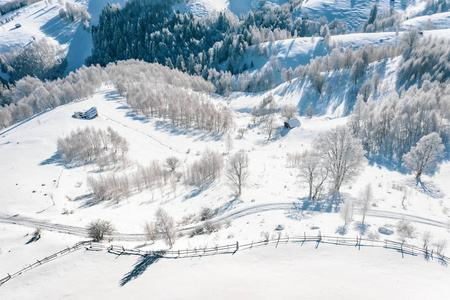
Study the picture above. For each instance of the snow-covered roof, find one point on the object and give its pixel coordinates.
(293, 123)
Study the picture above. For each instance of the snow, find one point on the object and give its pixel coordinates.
(286, 272)
(42, 20)
(33, 174)
(203, 8)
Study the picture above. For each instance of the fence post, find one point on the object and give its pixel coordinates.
(304, 238)
(319, 239)
(402, 249)
(278, 241)
(287, 240)
(237, 246)
(251, 246)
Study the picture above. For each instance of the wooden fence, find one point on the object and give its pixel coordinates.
(358, 242)
(45, 260)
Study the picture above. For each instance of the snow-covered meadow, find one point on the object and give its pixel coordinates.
(41, 190)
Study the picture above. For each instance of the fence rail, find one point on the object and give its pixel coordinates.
(402, 247)
(45, 260)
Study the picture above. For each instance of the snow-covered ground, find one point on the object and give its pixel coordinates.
(271, 182)
(287, 272)
(37, 187)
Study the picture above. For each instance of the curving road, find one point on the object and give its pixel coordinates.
(235, 214)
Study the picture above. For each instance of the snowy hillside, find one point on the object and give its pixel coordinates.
(42, 20)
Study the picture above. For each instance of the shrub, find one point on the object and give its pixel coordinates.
(98, 229)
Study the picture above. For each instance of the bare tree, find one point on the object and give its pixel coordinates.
(237, 172)
(241, 132)
(165, 227)
(288, 111)
(424, 157)
(150, 232)
(343, 154)
(269, 125)
(172, 163)
(98, 229)
(229, 143)
(346, 211)
(366, 198)
(314, 172)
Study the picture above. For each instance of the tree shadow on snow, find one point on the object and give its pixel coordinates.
(55, 159)
(426, 187)
(342, 230)
(362, 228)
(139, 268)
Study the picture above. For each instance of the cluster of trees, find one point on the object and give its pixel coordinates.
(75, 12)
(9, 6)
(151, 89)
(40, 59)
(207, 169)
(158, 91)
(158, 176)
(117, 187)
(345, 58)
(154, 33)
(388, 20)
(30, 95)
(337, 158)
(90, 145)
(388, 129)
(436, 6)
(424, 59)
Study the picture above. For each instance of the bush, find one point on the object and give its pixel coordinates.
(98, 229)
(206, 213)
(405, 229)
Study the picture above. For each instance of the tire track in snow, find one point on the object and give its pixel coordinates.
(143, 133)
(236, 214)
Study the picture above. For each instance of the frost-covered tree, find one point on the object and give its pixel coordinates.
(172, 163)
(314, 172)
(424, 157)
(165, 227)
(97, 230)
(343, 154)
(237, 171)
(366, 199)
(358, 70)
(41, 59)
(289, 111)
(346, 211)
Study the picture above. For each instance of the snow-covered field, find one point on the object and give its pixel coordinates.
(37, 189)
(290, 271)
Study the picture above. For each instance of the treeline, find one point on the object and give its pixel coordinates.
(40, 59)
(157, 91)
(154, 33)
(151, 89)
(31, 96)
(389, 128)
(15, 4)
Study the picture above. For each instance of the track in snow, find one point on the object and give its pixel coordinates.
(236, 214)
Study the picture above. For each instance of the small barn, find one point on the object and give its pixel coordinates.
(292, 123)
(18, 25)
(88, 114)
